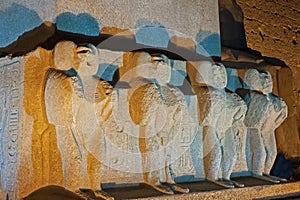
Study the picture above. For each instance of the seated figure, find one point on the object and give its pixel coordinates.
(265, 113)
(77, 103)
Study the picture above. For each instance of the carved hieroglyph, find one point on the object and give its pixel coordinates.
(77, 130)
(265, 113)
(11, 92)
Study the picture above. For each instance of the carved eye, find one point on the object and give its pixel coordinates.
(83, 50)
(157, 58)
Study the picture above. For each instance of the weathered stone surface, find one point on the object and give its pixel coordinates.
(265, 113)
(221, 115)
(257, 192)
(154, 23)
(92, 116)
(283, 85)
(78, 116)
(11, 91)
(272, 28)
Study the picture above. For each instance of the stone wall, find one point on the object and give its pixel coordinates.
(196, 20)
(57, 132)
(272, 29)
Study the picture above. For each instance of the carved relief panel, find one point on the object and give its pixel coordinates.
(97, 125)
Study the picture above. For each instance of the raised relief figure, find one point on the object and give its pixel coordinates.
(77, 103)
(233, 137)
(265, 113)
(157, 109)
(219, 114)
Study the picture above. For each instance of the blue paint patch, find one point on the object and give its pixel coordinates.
(16, 20)
(154, 36)
(107, 71)
(82, 23)
(177, 77)
(187, 99)
(233, 81)
(208, 44)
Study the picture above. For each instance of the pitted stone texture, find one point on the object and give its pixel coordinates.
(75, 124)
(137, 14)
(74, 106)
(162, 115)
(206, 73)
(11, 103)
(233, 136)
(287, 133)
(278, 37)
(154, 23)
(265, 113)
(220, 113)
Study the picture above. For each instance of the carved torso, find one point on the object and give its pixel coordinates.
(211, 105)
(264, 112)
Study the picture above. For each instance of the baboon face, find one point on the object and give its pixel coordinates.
(153, 67)
(83, 58)
(211, 74)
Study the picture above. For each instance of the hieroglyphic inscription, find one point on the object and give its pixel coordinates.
(183, 164)
(10, 116)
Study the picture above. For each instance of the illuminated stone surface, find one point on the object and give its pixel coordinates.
(11, 91)
(221, 116)
(265, 113)
(77, 116)
(77, 130)
(155, 22)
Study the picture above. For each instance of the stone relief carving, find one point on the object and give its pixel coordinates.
(145, 130)
(159, 110)
(233, 134)
(77, 103)
(220, 114)
(265, 113)
(11, 90)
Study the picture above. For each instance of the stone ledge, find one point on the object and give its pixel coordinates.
(255, 192)
(255, 189)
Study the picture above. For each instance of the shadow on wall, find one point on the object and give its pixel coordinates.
(154, 34)
(82, 23)
(208, 44)
(231, 25)
(151, 34)
(30, 31)
(16, 20)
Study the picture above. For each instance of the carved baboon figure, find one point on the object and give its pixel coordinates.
(232, 136)
(77, 103)
(265, 113)
(156, 108)
(219, 113)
